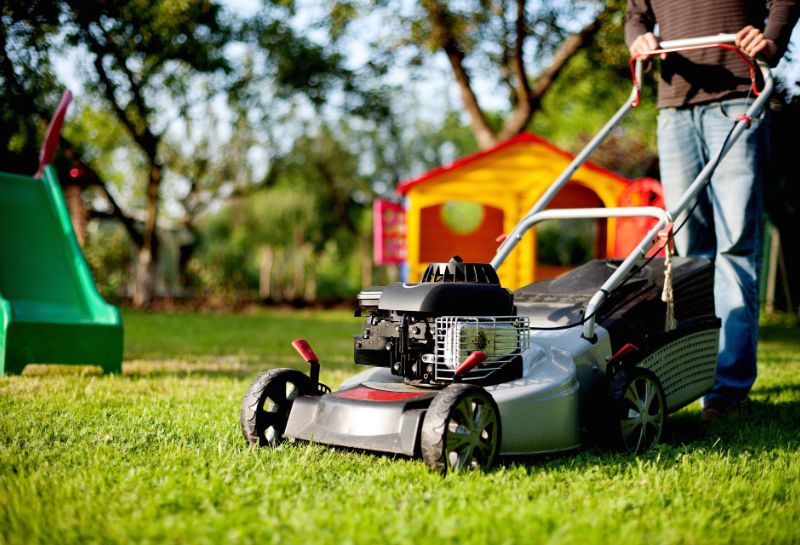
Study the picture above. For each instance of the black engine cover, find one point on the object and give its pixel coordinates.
(400, 325)
(448, 299)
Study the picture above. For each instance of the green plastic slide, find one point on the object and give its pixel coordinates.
(50, 310)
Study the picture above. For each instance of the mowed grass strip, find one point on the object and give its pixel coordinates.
(156, 456)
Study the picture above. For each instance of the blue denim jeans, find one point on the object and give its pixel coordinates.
(726, 225)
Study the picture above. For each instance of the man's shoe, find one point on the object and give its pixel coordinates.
(718, 408)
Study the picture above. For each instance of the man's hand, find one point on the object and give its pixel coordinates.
(752, 42)
(643, 44)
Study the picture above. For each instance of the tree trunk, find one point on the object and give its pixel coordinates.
(147, 261)
(310, 289)
(298, 274)
(77, 211)
(366, 262)
(185, 253)
(145, 280)
(528, 100)
(439, 16)
(265, 273)
(393, 273)
(298, 265)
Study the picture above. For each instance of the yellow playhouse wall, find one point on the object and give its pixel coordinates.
(497, 184)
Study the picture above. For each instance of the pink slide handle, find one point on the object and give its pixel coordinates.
(48, 151)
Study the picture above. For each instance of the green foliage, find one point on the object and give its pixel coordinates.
(781, 198)
(287, 51)
(322, 167)
(149, 47)
(583, 99)
(104, 142)
(108, 250)
(27, 82)
(310, 216)
(565, 242)
(224, 262)
(156, 456)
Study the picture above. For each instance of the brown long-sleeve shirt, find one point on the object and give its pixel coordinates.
(696, 77)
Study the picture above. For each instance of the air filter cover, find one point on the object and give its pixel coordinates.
(456, 270)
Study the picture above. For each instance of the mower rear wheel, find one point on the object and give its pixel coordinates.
(266, 405)
(638, 410)
(461, 429)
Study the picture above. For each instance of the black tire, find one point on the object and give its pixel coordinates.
(637, 411)
(266, 405)
(461, 429)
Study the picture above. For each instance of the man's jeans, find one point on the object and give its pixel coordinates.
(726, 225)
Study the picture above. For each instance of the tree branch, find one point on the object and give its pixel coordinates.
(565, 52)
(93, 179)
(142, 135)
(523, 114)
(522, 88)
(135, 84)
(443, 37)
(499, 10)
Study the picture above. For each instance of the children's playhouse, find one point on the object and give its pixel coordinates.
(465, 207)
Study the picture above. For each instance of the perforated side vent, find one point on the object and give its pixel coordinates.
(686, 367)
(456, 270)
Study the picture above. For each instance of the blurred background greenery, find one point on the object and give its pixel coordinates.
(227, 152)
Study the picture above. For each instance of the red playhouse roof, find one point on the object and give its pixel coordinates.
(522, 138)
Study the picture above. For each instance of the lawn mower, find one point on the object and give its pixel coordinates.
(461, 370)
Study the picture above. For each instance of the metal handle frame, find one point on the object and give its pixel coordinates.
(536, 214)
(531, 220)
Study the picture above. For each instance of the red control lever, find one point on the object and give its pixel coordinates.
(622, 352)
(307, 353)
(471, 362)
(305, 350)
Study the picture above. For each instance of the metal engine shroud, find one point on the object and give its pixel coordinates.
(541, 371)
(422, 332)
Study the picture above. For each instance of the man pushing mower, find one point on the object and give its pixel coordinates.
(701, 94)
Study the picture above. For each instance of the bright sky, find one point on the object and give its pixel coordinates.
(358, 53)
(429, 98)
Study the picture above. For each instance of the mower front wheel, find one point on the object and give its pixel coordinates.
(461, 429)
(266, 405)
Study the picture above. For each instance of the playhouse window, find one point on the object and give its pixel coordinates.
(462, 217)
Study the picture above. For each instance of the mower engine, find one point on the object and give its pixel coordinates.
(424, 331)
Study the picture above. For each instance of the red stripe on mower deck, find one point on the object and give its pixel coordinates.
(371, 394)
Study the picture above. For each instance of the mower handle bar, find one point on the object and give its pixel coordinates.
(685, 43)
(530, 221)
(651, 238)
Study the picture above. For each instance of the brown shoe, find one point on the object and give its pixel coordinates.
(718, 408)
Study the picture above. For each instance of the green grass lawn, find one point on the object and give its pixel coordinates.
(156, 456)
